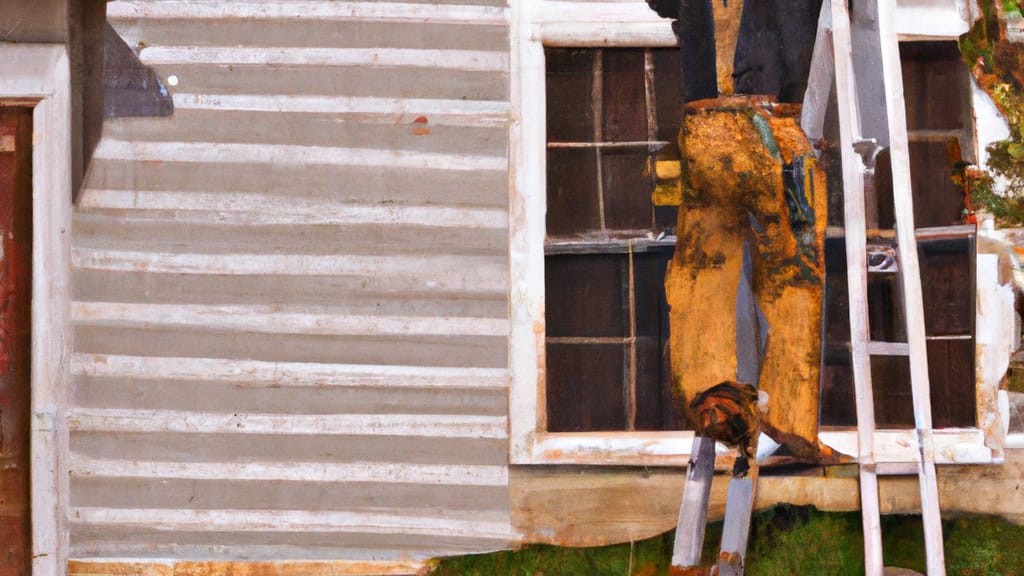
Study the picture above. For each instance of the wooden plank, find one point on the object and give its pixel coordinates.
(474, 523)
(736, 531)
(335, 473)
(325, 453)
(480, 275)
(290, 154)
(286, 374)
(192, 568)
(300, 495)
(452, 351)
(405, 129)
(419, 425)
(468, 60)
(876, 348)
(856, 259)
(588, 506)
(277, 320)
(311, 32)
(101, 568)
(694, 508)
(358, 81)
(911, 282)
(320, 183)
(819, 82)
(297, 9)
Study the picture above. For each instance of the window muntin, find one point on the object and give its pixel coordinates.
(609, 113)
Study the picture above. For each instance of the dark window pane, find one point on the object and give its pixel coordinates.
(654, 400)
(624, 110)
(570, 85)
(649, 290)
(947, 286)
(952, 383)
(890, 379)
(838, 398)
(585, 387)
(572, 192)
(666, 218)
(937, 201)
(837, 302)
(668, 91)
(588, 296)
(885, 310)
(933, 76)
(585, 296)
(627, 191)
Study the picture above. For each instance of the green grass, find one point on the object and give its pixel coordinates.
(784, 541)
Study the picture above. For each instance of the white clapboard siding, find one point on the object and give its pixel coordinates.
(284, 154)
(364, 57)
(311, 10)
(156, 421)
(291, 297)
(277, 374)
(200, 207)
(403, 473)
(447, 112)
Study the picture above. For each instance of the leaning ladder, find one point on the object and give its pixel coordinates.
(693, 511)
(862, 348)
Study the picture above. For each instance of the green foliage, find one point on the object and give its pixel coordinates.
(1008, 209)
(784, 540)
(790, 540)
(1006, 158)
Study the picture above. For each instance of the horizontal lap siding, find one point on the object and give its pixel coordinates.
(291, 297)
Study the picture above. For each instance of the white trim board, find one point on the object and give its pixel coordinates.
(40, 73)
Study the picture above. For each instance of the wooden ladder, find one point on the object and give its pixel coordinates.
(862, 348)
(837, 64)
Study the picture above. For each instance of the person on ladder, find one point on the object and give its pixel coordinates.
(746, 282)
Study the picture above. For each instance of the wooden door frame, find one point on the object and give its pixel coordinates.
(37, 75)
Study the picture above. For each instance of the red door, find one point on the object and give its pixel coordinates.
(15, 323)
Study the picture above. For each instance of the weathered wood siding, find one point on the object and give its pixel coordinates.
(291, 297)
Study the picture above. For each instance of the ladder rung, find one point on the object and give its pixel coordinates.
(876, 348)
(897, 468)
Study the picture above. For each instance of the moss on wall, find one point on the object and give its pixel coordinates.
(784, 540)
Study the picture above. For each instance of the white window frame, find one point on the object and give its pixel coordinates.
(630, 23)
(38, 75)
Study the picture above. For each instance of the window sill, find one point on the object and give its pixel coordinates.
(672, 449)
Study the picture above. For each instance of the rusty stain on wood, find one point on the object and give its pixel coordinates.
(85, 568)
(15, 325)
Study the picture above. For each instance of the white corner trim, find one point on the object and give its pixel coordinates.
(526, 236)
(40, 73)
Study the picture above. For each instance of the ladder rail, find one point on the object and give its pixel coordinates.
(857, 282)
(913, 304)
(910, 293)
